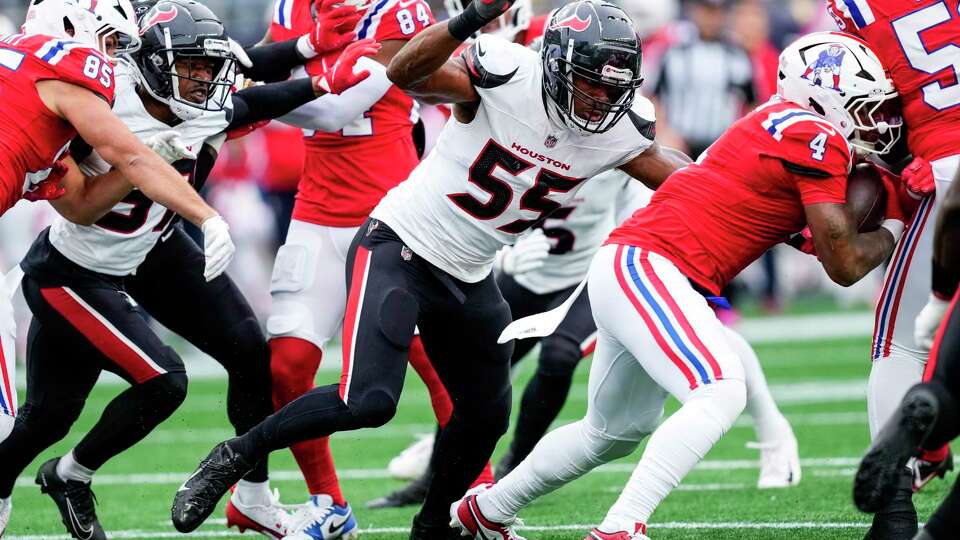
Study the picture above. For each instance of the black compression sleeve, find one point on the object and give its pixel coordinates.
(269, 101)
(273, 62)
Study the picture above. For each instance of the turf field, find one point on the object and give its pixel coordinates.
(819, 385)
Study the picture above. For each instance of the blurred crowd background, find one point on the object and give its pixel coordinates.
(706, 62)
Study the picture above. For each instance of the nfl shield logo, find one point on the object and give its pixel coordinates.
(550, 142)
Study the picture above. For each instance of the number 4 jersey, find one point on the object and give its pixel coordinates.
(917, 42)
(119, 241)
(32, 137)
(486, 182)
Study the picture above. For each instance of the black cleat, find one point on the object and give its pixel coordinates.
(443, 531)
(198, 496)
(900, 439)
(75, 500)
(411, 494)
(898, 519)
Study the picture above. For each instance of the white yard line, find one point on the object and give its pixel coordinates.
(368, 474)
(796, 525)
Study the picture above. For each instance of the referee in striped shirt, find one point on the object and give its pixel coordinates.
(705, 81)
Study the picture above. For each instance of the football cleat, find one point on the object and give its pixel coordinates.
(597, 534)
(422, 531)
(779, 462)
(320, 519)
(898, 519)
(6, 506)
(269, 520)
(465, 516)
(925, 471)
(879, 475)
(75, 500)
(413, 461)
(413, 493)
(198, 496)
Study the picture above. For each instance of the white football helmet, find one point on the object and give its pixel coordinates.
(90, 22)
(837, 76)
(512, 22)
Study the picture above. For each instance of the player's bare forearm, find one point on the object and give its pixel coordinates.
(846, 254)
(655, 165)
(423, 68)
(87, 199)
(946, 243)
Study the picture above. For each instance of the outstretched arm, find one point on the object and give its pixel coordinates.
(423, 68)
(87, 198)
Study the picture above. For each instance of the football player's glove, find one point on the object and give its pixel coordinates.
(475, 16)
(218, 248)
(169, 146)
(529, 253)
(928, 321)
(341, 76)
(333, 29)
(918, 178)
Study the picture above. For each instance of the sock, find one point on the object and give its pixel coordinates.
(562, 456)
(768, 421)
(69, 469)
(676, 447)
(890, 378)
(933, 456)
(323, 500)
(253, 493)
(439, 398)
(486, 477)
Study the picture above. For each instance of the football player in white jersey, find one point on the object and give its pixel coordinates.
(527, 131)
(85, 283)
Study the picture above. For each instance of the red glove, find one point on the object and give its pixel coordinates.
(894, 208)
(334, 27)
(806, 245)
(49, 188)
(340, 76)
(918, 178)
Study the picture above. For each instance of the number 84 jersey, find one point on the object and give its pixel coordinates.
(917, 42)
(486, 182)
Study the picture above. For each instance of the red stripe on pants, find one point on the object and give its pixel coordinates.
(101, 336)
(7, 393)
(361, 262)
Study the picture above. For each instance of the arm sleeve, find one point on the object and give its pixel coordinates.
(269, 101)
(273, 62)
(330, 112)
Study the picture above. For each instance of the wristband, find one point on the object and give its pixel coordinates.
(466, 24)
(305, 48)
(895, 226)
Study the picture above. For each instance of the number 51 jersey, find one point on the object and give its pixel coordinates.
(488, 181)
(917, 42)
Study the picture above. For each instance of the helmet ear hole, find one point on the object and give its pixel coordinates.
(816, 106)
(68, 26)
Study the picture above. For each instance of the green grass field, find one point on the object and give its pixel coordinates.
(820, 387)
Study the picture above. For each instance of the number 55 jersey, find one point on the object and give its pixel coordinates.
(918, 44)
(488, 181)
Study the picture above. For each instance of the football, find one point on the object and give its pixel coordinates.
(866, 197)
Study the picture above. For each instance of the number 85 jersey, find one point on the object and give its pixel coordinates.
(917, 42)
(486, 182)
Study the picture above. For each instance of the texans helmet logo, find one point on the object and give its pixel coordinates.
(573, 22)
(159, 16)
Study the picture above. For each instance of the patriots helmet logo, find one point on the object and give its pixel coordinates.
(826, 67)
(161, 14)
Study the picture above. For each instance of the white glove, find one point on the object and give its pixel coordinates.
(218, 248)
(241, 54)
(529, 253)
(928, 321)
(169, 146)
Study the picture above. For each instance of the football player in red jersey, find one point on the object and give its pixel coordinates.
(359, 144)
(929, 415)
(916, 41)
(781, 167)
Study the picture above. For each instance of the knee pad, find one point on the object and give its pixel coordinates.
(168, 390)
(397, 317)
(604, 449)
(374, 408)
(290, 269)
(559, 356)
(727, 399)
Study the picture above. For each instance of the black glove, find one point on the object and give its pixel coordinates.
(477, 14)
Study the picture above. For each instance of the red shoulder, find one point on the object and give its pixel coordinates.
(73, 62)
(291, 19)
(395, 19)
(804, 138)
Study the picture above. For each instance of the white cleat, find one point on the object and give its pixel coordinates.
(466, 517)
(779, 462)
(6, 506)
(269, 520)
(412, 463)
(320, 519)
